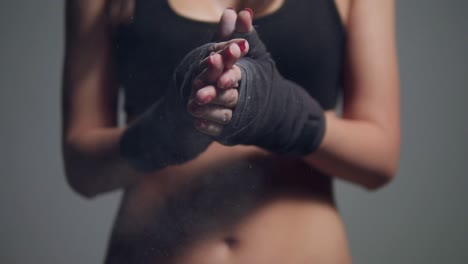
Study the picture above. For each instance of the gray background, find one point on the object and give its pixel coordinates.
(421, 217)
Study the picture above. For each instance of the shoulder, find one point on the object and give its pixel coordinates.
(348, 8)
(343, 8)
(86, 13)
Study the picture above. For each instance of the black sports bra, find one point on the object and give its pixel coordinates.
(305, 37)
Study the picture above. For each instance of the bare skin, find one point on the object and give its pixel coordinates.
(298, 223)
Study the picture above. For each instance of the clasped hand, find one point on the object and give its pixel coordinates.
(214, 91)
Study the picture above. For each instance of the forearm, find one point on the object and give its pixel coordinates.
(93, 163)
(362, 147)
(357, 151)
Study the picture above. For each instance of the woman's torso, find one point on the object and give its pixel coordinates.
(231, 204)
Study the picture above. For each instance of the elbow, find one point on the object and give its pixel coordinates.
(76, 175)
(377, 181)
(381, 178)
(78, 179)
(386, 169)
(84, 193)
(79, 186)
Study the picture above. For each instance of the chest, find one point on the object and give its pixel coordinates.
(211, 10)
(305, 38)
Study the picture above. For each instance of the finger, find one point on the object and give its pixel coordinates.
(208, 127)
(227, 24)
(218, 47)
(226, 98)
(230, 55)
(197, 85)
(244, 21)
(230, 78)
(205, 95)
(214, 69)
(214, 113)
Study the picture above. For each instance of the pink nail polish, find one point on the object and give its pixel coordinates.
(228, 52)
(250, 11)
(229, 84)
(199, 101)
(207, 99)
(242, 45)
(210, 60)
(201, 123)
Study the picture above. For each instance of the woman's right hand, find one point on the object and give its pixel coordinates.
(215, 93)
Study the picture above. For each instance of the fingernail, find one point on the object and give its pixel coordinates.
(201, 123)
(250, 11)
(231, 8)
(207, 99)
(199, 102)
(229, 52)
(229, 84)
(204, 99)
(210, 60)
(242, 45)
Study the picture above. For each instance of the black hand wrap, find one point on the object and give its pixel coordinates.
(272, 112)
(165, 134)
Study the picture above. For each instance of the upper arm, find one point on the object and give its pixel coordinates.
(371, 91)
(89, 85)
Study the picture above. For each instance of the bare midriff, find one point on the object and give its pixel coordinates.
(289, 218)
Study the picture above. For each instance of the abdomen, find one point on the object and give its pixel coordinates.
(230, 205)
